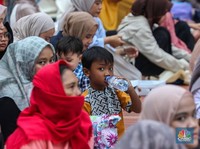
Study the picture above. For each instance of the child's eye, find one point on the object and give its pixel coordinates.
(111, 69)
(68, 60)
(102, 69)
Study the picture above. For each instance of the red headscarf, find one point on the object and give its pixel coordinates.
(52, 116)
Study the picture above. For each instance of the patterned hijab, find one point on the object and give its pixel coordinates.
(162, 103)
(32, 25)
(148, 134)
(78, 24)
(17, 69)
(66, 122)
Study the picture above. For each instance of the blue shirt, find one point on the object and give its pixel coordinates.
(84, 81)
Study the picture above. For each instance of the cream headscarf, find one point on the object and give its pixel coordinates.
(17, 69)
(78, 24)
(162, 103)
(32, 25)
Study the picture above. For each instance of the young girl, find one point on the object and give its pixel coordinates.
(101, 98)
(55, 118)
(18, 66)
(174, 106)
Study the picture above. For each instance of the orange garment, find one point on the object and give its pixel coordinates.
(113, 12)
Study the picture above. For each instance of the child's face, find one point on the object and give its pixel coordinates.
(87, 40)
(70, 83)
(97, 73)
(96, 8)
(73, 59)
(185, 118)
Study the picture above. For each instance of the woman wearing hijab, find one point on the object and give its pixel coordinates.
(38, 24)
(93, 7)
(156, 52)
(6, 38)
(18, 66)
(174, 106)
(64, 126)
(23, 8)
(148, 134)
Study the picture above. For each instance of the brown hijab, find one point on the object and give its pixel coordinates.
(153, 10)
(162, 103)
(78, 24)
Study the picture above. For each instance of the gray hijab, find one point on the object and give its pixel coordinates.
(32, 25)
(17, 69)
(83, 5)
(148, 134)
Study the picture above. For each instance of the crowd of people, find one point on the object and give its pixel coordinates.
(53, 70)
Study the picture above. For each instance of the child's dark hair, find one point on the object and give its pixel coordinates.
(69, 44)
(96, 54)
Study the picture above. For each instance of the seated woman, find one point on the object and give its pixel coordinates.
(174, 106)
(64, 126)
(149, 134)
(37, 24)
(156, 52)
(18, 66)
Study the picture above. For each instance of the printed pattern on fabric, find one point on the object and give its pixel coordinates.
(103, 102)
(83, 79)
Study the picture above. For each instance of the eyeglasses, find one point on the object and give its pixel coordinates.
(5, 35)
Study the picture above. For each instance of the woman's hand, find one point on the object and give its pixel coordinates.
(131, 51)
(114, 41)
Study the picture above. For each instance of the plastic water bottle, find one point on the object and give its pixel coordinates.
(117, 83)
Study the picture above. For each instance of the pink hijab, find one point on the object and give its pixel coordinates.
(162, 103)
(169, 24)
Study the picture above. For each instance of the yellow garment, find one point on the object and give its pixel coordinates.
(113, 12)
(124, 100)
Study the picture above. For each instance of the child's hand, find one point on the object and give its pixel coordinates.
(114, 40)
(129, 83)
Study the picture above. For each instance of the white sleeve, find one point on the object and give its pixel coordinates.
(197, 103)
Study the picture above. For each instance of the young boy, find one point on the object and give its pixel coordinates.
(70, 48)
(99, 97)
